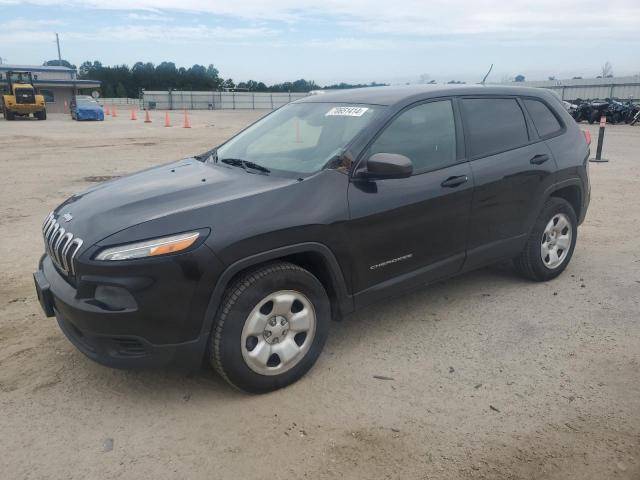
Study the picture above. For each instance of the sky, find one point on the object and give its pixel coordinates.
(329, 41)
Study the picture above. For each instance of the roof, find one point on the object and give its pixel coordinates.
(393, 94)
(34, 68)
(62, 83)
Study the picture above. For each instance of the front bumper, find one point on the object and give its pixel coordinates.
(150, 332)
(89, 115)
(22, 109)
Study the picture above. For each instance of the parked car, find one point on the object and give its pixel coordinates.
(242, 255)
(84, 107)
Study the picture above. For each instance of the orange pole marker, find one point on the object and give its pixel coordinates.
(133, 114)
(186, 123)
(114, 113)
(66, 107)
(147, 119)
(106, 110)
(167, 120)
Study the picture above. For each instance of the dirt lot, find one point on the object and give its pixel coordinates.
(492, 376)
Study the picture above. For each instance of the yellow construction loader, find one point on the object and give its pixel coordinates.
(20, 98)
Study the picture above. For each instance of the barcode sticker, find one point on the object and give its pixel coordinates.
(346, 112)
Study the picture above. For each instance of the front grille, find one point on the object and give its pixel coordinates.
(60, 245)
(25, 95)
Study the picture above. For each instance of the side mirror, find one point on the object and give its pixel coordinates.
(388, 165)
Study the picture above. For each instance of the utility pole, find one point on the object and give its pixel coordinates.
(58, 43)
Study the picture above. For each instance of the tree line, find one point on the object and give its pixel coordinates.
(124, 81)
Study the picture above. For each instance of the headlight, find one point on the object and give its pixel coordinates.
(149, 248)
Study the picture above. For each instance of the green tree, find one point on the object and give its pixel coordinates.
(108, 90)
(121, 92)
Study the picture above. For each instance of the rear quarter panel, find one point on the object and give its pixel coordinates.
(571, 152)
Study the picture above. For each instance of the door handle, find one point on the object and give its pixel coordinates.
(539, 159)
(453, 182)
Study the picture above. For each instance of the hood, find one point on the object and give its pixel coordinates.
(88, 108)
(175, 194)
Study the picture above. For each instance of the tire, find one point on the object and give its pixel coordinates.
(249, 332)
(530, 263)
(594, 117)
(42, 115)
(9, 115)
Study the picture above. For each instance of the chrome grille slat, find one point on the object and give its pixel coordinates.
(61, 245)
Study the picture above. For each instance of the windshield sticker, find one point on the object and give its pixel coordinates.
(346, 112)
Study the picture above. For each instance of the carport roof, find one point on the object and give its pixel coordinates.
(35, 68)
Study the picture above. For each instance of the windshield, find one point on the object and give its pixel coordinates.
(86, 101)
(299, 137)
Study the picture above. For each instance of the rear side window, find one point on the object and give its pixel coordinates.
(545, 121)
(426, 134)
(494, 125)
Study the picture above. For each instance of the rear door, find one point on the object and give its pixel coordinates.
(512, 167)
(412, 230)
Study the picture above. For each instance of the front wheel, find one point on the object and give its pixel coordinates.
(551, 242)
(270, 328)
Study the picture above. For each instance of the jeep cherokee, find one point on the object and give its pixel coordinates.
(242, 255)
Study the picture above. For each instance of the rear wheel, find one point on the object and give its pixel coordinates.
(42, 115)
(270, 328)
(551, 242)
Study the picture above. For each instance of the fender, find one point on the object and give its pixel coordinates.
(575, 181)
(345, 303)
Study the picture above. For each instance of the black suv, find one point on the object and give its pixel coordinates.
(242, 255)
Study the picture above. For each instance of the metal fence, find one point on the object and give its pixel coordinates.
(178, 100)
(119, 101)
(624, 88)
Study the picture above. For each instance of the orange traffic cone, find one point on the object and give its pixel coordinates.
(186, 123)
(167, 120)
(106, 110)
(66, 107)
(114, 113)
(147, 119)
(133, 114)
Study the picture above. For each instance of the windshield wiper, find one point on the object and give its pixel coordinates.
(246, 164)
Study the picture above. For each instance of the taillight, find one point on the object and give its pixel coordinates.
(587, 136)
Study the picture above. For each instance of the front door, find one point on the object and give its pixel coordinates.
(411, 231)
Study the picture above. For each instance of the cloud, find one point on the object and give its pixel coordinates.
(133, 32)
(22, 30)
(405, 17)
(21, 23)
(148, 17)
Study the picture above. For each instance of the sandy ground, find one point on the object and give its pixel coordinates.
(492, 376)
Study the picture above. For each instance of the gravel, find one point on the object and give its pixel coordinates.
(546, 380)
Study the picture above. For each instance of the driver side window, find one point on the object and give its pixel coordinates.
(426, 134)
